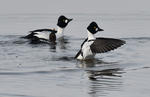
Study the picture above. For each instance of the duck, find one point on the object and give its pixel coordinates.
(92, 45)
(49, 34)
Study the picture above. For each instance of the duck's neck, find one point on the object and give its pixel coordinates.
(60, 31)
(90, 36)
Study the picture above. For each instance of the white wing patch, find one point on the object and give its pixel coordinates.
(42, 35)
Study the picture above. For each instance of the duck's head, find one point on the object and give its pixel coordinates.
(63, 21)
(93, 28)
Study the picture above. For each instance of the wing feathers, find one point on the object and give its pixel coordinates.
(102, 45)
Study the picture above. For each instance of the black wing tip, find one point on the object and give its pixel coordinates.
(31, 31)
(29, 36)
(122, 42)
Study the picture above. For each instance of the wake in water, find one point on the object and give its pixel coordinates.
(68, 47)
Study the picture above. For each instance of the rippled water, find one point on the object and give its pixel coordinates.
(42, 70)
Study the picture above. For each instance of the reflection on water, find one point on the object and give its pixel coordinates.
(52, 48)
(101, 82)
(62, 42)
(93, 62)
(94, 75)
(63, 58)
(103, 76)
(14, 95)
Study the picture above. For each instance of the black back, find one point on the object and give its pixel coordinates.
(41, 30)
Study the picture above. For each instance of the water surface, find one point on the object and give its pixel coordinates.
(42, 70)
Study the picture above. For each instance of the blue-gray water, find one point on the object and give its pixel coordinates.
(28, 70)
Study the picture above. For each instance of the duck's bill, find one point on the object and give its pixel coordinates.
(100, 29)
(70, 20)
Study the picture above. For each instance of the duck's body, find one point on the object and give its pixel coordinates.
(93, 45)
(42, 36)
(47, 34)
(41, 33)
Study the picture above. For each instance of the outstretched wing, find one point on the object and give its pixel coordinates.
(102, 45)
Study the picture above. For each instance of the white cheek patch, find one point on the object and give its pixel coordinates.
(96, 29)
(66, 21)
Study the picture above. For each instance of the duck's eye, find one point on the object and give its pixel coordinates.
(95, 28)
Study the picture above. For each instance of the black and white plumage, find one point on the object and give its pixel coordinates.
(43, 37)
(93, 45)
(44, 34)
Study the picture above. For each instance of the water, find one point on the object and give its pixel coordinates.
(43, 70)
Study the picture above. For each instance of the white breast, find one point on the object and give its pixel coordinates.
(60, 33)
(87, 53)
(86, 50)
